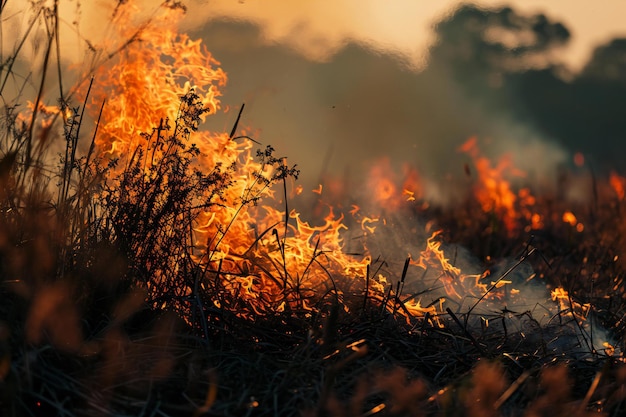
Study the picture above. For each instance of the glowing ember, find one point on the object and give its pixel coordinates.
(568, 217)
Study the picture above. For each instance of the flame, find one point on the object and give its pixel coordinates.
(570, 218)
(382, 185)
(412, 185)
(47, 110)
(580, 313)
(571, 307)
(46, 115)
(416, 309)
(265, 258)
(452, 278)
(495, 194)
(367, 221)
(389, 190)
(148, 77)
(618, 183)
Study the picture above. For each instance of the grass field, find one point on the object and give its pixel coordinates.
(152, 268)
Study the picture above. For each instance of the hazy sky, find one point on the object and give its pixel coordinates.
(318, 28)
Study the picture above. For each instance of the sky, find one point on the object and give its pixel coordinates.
(318, 29)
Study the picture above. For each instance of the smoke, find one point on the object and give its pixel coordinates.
(521, 314)
(336, 119)
(337, 104)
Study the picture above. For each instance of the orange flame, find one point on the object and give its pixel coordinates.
(382, 185)
(452, 278)
(495, 193)
(618, 183)
(388, 189)
(149, 76)
(45, 118)
(269, 259)
(570, 218)
(569, 306)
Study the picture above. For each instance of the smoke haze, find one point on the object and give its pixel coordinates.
(338, 117)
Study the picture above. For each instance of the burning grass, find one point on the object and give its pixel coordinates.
(158, 269)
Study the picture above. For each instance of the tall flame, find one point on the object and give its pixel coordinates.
(261, 255)
(155, 68)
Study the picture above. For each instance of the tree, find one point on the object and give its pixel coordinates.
(608, 63)
(481, 46)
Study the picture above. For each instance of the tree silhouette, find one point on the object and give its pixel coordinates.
(505, 62)
(608, 63)
(481, 46)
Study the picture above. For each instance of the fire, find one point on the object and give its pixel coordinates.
(388, 189)
(268, 259)
(416, 309)
(412, 186)
(149, 76)
(262, 256)
(44, 118)
(570, 307)
(495, 193)
(452, 278)
(382, 184)
(618, 183)
(581, 315)
(367, 221)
